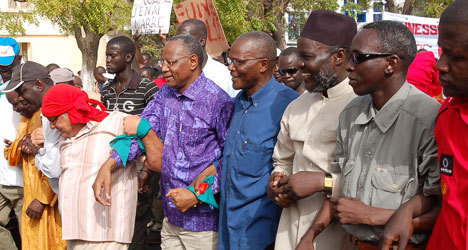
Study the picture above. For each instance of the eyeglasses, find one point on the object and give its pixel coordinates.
(358, 58)
(173, 62)
(290, 71)
(238, 62)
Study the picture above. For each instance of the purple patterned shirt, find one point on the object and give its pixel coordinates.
(193, 127)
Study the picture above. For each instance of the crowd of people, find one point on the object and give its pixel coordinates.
(351, 140)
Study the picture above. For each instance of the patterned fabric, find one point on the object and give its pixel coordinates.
(193, 127)
(133, 99)
(82, 216)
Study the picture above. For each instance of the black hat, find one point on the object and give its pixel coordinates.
(26, 72)
(330, 28)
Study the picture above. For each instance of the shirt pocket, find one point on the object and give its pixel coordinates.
(255, 160)
(388, 188)
(195, 141)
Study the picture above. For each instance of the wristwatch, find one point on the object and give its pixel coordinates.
(328, 184)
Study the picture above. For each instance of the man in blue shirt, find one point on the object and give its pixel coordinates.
(248, 219)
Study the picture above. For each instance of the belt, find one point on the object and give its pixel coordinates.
(370, 245)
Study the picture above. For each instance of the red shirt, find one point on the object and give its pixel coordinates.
(451, 133)
(423, 74)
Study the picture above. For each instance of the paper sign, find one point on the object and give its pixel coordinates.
(205, 11)
(424, 29)
(150, 16)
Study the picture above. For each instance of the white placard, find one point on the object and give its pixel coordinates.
(150, 16)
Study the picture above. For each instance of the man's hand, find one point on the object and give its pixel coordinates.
(182, 198)
(209, 171)
(274, 193)
(7, 142)
(399, 228)
(136, 36)
(302, 184)
(103, 181)
(37, 137)
(351, 211)
(143, 176)
(35, 209)
(27, 147)
(162, 37)
(131, 124)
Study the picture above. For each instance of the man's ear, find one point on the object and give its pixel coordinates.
(129, 57)
(340, 57)
(202, 41)
(264, 65)
(39, 85)
(193, 62)
(392, 64)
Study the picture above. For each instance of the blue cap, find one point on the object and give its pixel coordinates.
(9, 48)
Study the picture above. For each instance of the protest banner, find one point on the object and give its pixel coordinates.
(205, 11)
(150, 16)
(424, 29)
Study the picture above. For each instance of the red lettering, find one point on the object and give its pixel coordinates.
(434, 29)
(410, 27)
(206, 8)
(416, 29)
(426, 29)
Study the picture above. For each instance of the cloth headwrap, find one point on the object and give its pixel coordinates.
(330, 28)
(64, 98)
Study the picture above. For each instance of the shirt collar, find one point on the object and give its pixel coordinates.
(134, 82)
(388, 114)
(461, 104)
(194, 90)
(338, 90)
(257, 96)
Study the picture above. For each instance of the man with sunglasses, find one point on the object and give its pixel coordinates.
(386, 153)
(190, 115)
(289, 63)
(308, 131)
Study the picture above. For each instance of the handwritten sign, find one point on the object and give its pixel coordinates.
(424, 29)
(205, 11)
(150, 16)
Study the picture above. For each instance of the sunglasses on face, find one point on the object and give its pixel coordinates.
(358, 58)
(290, 71)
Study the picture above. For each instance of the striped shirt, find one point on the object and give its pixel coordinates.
(83, 218)
(133, 99)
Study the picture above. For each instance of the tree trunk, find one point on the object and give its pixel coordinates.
(278, 7)
(408, 7)
(88, 43)
(391, 7)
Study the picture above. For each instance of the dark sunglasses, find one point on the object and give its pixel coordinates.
(358, 58)
(290, 71)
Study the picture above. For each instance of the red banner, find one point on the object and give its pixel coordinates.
(205, 11)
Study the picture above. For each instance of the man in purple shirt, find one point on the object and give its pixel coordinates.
(191, 115)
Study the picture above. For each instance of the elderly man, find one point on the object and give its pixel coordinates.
(213, 70)
(451, 134)
(289, 67)
(190, 115)
(40, 221)
(248, 219)
(307, 137)
(87, 132)
(386, 151)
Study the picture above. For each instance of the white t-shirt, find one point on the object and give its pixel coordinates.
(9, 176)
(219, 73)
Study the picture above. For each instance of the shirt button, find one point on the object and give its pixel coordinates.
(394, 186)
(238, 132)
(246, 111)
(369, 152)
(245, 142)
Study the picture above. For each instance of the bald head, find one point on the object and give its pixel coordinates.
(195, 28)
(455, 13)
(261, 42)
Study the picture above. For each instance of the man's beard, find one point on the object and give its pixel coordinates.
(325, 79)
